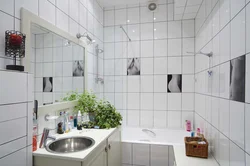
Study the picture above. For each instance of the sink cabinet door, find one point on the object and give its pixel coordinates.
(100, 160)
(114, 147)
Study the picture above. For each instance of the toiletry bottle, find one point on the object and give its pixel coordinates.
(79, 118)
(66, 122)
(34, 140)
(75, 121)
(35, 132)
(188, 125)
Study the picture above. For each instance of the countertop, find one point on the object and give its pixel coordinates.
(99, 135)
(182, 160)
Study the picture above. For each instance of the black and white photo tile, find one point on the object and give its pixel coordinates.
(133, 66)
(238, 79)
(174, 83)
(78, 69)
(47, 84)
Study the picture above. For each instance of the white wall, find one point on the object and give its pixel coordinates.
(223, 26)
(72, 16)
(161, 44)
(16, 107)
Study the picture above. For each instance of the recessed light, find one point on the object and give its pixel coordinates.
(154, 29)
(128, 21)
(154, 18)
(134, 31)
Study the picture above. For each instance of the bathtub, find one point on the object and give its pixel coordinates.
(154, 136)
(150, 147)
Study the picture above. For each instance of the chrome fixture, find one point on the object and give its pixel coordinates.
(98, 51)
(125, 33)
(45, 136)
(78, 35)
(149, 131)
(202, 53)
(70, 145)
(47, 117)
(152, 6)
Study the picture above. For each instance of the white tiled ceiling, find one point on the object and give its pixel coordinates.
(186, 9)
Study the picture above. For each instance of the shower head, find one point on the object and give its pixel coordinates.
(78, 35)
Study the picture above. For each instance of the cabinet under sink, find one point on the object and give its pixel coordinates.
(106, 153)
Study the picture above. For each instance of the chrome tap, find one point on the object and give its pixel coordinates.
(45, 136)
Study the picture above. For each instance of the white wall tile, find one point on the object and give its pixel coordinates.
(109, 50)
(147, 31)
(187, 101)
(187, 83)
(134, 49)
(7, 6)
(188, 28)
(159, 155)
(109, 18)
(160, 101)
(141, 154)
(47, 11)
(248, 78)
(160, 65)
(238, 39)
(147, 49)
(120, 17)
(224, 148)
(188, 46)
(10, 91)
(31, 5)
(160, 83)
(133, 118)
(188, 65)
(133, 16)
(224, 80)
(237, 123)
(160, 30)
(147, 84)
(146, 119)
(247, 132)
(224, 117)
(147, 66)
(20, 158)
(127, 153)
(225, 46)
(160, 48)
(133, 100)
(145, 15)
(133, 84)
(10, 126)
(174, 29)
(237, 155)
(174, 65)
(174, 47)
(161, 14)
(236, 6)
(174, 101)
(147, 101)
(160, 119)
(174, 119)
(109, 34)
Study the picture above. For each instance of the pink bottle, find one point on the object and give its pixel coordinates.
(188, 125)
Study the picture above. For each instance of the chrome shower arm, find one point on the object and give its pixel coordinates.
(125, 33)
(202, 53)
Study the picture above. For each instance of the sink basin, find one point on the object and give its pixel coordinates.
(70, 145)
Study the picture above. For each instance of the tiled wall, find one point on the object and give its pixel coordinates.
(72, 16)
(55, 60)
(223, 26)
(159, 46)
(16, 107)
(146, 154)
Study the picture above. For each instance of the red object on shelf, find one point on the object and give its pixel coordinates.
(15, 40)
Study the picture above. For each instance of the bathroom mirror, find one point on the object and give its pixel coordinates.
(56, 59)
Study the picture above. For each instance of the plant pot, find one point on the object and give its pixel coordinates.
(92, 116)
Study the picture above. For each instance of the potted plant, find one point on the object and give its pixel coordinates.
(87, 103)
(107, 116)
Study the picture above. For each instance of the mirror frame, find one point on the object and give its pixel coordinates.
(27, 18)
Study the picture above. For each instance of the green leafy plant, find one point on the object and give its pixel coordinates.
(71, 96)
(87, 102)
(107, 116)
